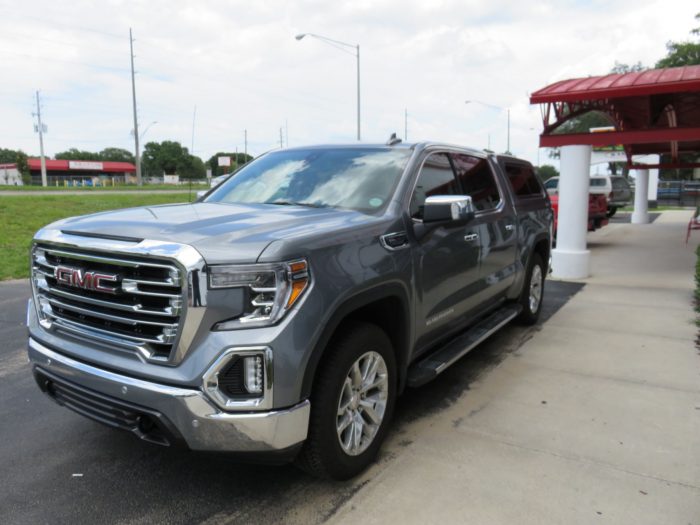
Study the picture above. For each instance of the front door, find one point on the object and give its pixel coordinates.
(495, 223)
(446, 260)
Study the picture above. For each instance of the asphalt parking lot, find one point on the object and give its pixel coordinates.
(57, 467)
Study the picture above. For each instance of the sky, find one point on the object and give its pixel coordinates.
(239, 65)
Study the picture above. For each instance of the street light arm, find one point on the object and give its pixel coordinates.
(332, 42)
(147, 128)
(500, 108)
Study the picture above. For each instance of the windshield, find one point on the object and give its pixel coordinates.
(359, 178)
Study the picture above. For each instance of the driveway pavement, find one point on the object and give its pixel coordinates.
(591, 416)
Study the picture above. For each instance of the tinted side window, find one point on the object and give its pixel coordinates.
(436, 178)
(551, 184)
(476, 179)
(523, 180)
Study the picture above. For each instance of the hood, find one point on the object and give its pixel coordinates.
(233, 233)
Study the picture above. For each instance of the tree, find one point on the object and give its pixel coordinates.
(116, 155)
(685, 53)
(76, 154)
(107, 154)
(19, 157)
(620, 68)
(237, 159)
(546, 171)
(170, 158)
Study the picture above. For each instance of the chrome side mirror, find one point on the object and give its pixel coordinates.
(440, 208)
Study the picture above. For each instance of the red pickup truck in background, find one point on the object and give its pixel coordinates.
(597, 211)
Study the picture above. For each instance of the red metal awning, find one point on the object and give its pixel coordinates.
(83, 166)
(654, 111)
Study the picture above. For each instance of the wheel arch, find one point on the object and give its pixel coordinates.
(386, 306)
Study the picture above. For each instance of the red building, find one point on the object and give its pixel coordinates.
(82, 172)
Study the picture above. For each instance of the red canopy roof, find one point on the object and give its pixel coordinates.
(654, 111)
(650, 82)
(83, 166)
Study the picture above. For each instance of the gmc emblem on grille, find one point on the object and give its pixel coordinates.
(78, 278)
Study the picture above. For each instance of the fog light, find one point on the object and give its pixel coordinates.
(253, 374)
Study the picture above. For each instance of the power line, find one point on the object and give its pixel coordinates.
(54, 22)
(52, 60)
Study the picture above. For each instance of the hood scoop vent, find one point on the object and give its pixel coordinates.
(102, 236)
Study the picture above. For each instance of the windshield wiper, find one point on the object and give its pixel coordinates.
(294, 203)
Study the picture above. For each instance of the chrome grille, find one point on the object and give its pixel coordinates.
(139, 312)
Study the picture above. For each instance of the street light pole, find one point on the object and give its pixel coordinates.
(337, 44)
(499, 108)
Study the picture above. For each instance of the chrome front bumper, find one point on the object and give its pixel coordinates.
(194, 418)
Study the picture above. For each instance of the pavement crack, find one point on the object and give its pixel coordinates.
(580, 459)
(613, 378)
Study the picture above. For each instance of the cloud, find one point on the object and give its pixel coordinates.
(239, 63)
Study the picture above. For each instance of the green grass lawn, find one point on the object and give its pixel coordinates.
(22, 215)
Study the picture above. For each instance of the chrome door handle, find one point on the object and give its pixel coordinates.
(510, 227)
(471, 237)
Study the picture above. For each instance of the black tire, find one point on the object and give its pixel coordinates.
(322, 454)
(612, 211)
(529, 316)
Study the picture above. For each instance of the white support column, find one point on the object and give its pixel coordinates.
(640, 215)
(571, 259)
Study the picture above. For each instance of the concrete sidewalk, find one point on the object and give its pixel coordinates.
(594, 419)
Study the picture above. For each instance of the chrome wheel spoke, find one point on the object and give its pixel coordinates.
(345, 421)
(356, 374)
(358, 427)
(371, 371)
(379, 381)
(368, 410)
(345, 397)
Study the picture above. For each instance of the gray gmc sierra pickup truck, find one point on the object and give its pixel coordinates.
(280, 315)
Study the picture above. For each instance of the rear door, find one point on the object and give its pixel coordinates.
(530, 201)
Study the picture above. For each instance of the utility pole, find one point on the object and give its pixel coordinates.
(358, 92)
(281, 139)
(194, 116)
(40, 129)
(139, 179)
(508, 142)
(245, 146)
(405, 124)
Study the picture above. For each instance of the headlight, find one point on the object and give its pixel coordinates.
(271, 290)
